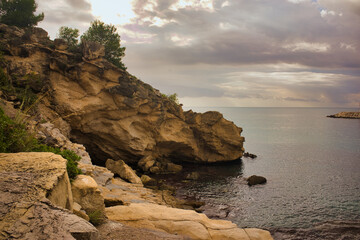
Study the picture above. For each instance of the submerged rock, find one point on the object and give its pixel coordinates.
(254, 180)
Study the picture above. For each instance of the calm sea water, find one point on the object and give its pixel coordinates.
(311, 162)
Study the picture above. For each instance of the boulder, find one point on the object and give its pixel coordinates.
(182, 222)
(86, 193)
(43, 220)
(192, 176)
(77, 210)
(101, 175)
(148, 181)
(34, 192)
(146, 163)
(254, 180)
(60, 44)
(173, 168)
(92, 50)
(123, 170)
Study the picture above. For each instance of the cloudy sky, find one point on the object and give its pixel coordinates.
(245, 53)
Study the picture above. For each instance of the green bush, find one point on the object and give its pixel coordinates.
(15, 138)
(96, 217)
(171, 97)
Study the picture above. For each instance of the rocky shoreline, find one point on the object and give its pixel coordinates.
(108, 117)
(350, 115)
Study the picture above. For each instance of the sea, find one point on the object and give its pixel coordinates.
(311, 163)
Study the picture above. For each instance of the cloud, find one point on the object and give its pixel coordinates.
(72, 13)
(212, 40)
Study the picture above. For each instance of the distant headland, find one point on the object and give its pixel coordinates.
(354, 115)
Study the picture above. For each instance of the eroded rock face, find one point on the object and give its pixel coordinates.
(34, 192)
(114, 114)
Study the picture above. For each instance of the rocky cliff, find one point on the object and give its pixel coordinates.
(111, 112)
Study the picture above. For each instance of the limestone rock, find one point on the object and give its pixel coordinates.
(101, 175)
(114, 230)
(146, 163)
(123, 170)
(92, 50)
(114, 114)
(254, 180)
(77, 210)
(46, 221)
(60, 44)
(86, 193)
(183, 222)
(53, 137)
(26, 179)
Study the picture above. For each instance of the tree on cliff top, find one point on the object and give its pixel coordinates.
(106, 35)
(70, 35)
(19, 13)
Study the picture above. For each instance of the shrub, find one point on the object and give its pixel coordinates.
(171, 97)
(15, 138)
(96, 217)
(70, 35)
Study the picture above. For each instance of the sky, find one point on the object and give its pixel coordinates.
(232, 53)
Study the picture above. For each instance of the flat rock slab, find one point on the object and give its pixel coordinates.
(183, 222)
(117, 231)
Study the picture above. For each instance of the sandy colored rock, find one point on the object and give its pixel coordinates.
(182, 222)
(86, 193)
(52, 136)
(117, 231)
(26, 179)
(123, 170)
(92, 50)
(100, 174)
(77, 210)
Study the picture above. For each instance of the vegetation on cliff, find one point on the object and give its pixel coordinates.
(106, 35)
(15, 138)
